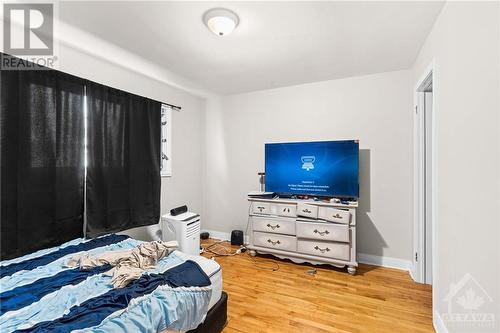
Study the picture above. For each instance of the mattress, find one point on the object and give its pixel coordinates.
(39, 292)
(213, 271)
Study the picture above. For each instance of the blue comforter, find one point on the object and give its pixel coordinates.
(39, 294)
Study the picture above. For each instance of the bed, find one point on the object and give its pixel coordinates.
(40, 293)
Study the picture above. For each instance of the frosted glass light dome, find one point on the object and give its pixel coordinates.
(221, 21)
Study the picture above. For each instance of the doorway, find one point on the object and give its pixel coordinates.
(424, 179)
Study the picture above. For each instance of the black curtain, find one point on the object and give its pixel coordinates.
(42, 160)
(123, 171)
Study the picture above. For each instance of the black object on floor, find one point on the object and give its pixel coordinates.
(236, 237)
(216, 318)
(204, 235)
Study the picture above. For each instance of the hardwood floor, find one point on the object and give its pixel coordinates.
(376, 299)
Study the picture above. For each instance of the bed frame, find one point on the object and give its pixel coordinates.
(216, 317)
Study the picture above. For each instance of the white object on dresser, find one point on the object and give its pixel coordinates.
(304, 231)
(185, 229)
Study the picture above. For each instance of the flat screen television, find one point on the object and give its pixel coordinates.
(321, 169)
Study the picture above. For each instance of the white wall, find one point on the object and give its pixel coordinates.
(465, 46)
(184, 187)
(375, 109)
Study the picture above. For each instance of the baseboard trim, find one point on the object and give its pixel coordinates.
(438, 323)
(220, 235)
(412, 272)
(389, 262)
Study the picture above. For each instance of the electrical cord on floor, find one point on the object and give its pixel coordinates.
(275, 267)
(219, 250)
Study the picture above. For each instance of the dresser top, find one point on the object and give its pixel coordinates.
(352, 204)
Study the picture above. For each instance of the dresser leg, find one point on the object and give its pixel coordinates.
(351, 270)
(253, 253)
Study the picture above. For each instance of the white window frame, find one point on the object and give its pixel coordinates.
(166, 141)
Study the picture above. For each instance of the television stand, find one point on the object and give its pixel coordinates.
(310, 231)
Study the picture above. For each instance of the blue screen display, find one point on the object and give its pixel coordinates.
(328, 168)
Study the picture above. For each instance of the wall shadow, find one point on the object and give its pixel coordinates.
(369, 240)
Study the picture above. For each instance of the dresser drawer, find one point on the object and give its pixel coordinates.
(284, 210)
(261, 208)
(334, 215)
(274, 225)
(323, 231)
(274, 241)
(324, 249)
(307, 210)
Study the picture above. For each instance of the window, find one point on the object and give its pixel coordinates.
(166, 141)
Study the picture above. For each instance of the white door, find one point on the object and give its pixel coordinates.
(423, 226)
(428, 186)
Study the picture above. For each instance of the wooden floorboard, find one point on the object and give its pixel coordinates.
(376, 299)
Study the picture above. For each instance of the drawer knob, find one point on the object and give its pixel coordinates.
(260, 208)
(273, 226)
(317, 248)
(274, 242)
(337, 216)
(321, 233)
(306, 211)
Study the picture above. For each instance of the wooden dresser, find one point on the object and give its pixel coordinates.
(304, 231)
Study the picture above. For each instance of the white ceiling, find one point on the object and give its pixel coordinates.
(276, 44)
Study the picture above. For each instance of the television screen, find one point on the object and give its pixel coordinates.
(327, 168)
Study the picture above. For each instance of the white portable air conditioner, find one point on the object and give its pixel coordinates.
(185, 229)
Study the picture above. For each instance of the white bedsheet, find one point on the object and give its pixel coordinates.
(214, 272)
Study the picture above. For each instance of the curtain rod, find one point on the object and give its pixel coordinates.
(177, 108)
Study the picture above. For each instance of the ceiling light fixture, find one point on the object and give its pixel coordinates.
(221, 21)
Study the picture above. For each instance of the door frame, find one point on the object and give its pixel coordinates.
(418, 264)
